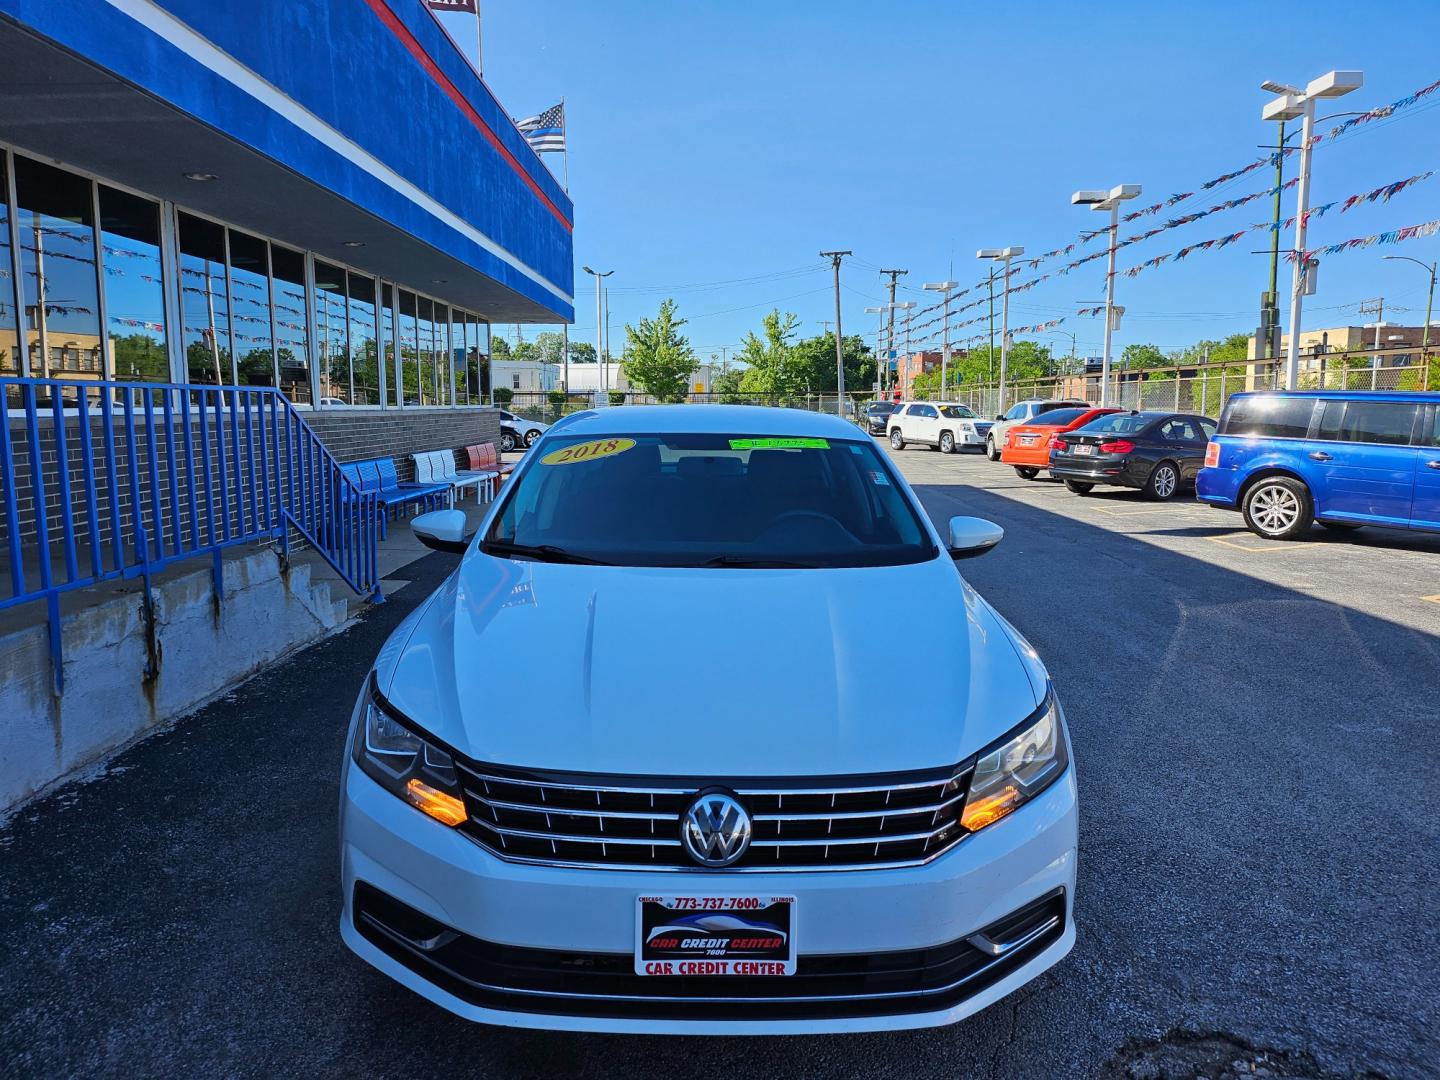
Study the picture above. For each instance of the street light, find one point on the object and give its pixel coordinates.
(1429, 300)
(1003, 255)
(599, 325)
(945, 288)
(1288, 104)
(1108, 200)
(879, 347)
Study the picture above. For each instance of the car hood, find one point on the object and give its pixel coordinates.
(705, 672)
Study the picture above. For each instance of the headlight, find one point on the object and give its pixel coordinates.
(407, 766)
(1016, 770)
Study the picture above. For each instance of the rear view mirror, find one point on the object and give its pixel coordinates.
(972, 536)
(443, 530)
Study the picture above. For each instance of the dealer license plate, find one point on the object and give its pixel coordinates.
(715, 935)
(1084, 450)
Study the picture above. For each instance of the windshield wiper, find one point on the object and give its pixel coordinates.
(539, 552)
(757, 563)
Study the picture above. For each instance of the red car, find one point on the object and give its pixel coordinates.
(1027, 446)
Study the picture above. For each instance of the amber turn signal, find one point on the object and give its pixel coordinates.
(445, 809)
(987, 808)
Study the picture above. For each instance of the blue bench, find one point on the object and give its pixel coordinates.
(378, 477)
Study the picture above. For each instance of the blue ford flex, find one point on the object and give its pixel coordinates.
(1342, 458)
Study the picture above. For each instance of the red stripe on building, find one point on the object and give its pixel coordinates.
(401, 31)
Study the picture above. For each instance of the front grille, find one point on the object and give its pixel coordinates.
(809, 824)
(556, 981)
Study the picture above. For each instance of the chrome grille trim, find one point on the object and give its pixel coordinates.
(852, 814)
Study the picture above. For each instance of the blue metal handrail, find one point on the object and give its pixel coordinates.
(178, 472)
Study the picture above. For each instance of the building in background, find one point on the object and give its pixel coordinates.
(1397, 346)
(909, 367)
(319, 195)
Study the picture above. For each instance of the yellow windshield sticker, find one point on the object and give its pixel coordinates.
(779, 444)
(587, 451)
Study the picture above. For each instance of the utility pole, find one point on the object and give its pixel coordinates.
(606, 369)
(599, 320)
(890, 330)
(1377, 305)
(835, 257)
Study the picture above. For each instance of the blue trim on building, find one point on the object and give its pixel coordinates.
(337, 60)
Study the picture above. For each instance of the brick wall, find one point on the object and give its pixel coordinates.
(247, 499)
(356, 434)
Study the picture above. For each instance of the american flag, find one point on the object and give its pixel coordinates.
(545, 132)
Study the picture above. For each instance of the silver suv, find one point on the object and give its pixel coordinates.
(1022, 412)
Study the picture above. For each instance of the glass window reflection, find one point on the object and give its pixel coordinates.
(292, 349)
(332, 325)
(250, 295)
(134, 290)
(387, 339)
(364, 364)
(204, 302)
(56, 219)
(409, 357)
(9, 324)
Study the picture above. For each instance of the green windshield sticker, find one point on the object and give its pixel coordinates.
(779, 444)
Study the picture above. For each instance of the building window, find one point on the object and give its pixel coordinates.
(332, 332)
(204, 302)
(515, 380)
(364, 362)
(425, 348)
(9, 326)
(134, 291)
(250, 300)
(409, 357)
(387, 340)
(292, 348)
(56, 217)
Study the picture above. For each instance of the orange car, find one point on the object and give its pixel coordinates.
(1027, 446)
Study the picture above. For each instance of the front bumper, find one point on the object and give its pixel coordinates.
(589, 915)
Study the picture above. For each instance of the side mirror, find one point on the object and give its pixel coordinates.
(443, 530)
(971, 536)
(1000, 416)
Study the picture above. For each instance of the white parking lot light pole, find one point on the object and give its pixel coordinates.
(1108, 200)
(1290, 103)
(1003, 255)
(905, 306)
(945, 288)
(599, 322)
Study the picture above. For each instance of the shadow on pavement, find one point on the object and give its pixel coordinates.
(1258, 772)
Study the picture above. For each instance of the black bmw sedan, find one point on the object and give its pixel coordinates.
(875, 414)
(1157, 452)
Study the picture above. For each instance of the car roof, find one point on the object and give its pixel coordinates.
(706, 420)
(1367, 395)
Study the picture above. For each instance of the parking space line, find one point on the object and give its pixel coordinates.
(1136, 513)
(1277, 548)
(1433, 599)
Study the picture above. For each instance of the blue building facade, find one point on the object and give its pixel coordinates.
(317, 194)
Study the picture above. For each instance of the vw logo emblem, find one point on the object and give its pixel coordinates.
(715, 830)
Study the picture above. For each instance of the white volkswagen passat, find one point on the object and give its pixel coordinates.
(712, 816)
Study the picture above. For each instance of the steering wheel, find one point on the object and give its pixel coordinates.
(812, 515)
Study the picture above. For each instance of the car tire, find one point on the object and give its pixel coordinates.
(1027, 472)
(1079, 487)
(530, 438)
(1278, 508)
(507, 441)
(990, 451)
(947, 442)
(1164, 481)
(897, 441)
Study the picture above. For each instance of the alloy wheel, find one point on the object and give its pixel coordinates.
(1274, 508)
(1165, 481)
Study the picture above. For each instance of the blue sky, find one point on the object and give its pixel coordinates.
(715, 143)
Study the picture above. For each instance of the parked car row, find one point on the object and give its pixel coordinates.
(1285, 460)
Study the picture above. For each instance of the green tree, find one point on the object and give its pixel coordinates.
(727, 385)
(499, 347)
(814, 361)
(582, 352)
(1138, 357)
(657, 358)
(772, 365)
(139, 356)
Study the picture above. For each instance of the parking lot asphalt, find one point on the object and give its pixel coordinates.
(1254, 728)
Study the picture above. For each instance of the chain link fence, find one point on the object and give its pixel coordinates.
(1193, 388)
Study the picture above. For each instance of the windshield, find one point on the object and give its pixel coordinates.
(956, 412)
(1118, 424)
(880, 407)
(1058, 416)
(709, 500)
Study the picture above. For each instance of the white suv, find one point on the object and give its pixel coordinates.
(1022, 412)
(941, 424)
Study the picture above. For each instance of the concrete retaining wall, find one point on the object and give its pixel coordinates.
(108, 700)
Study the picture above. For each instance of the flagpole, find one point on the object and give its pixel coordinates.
(565, 153)
(479, 57)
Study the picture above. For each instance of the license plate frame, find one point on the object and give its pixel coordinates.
(1083, 450)
(737, 933)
